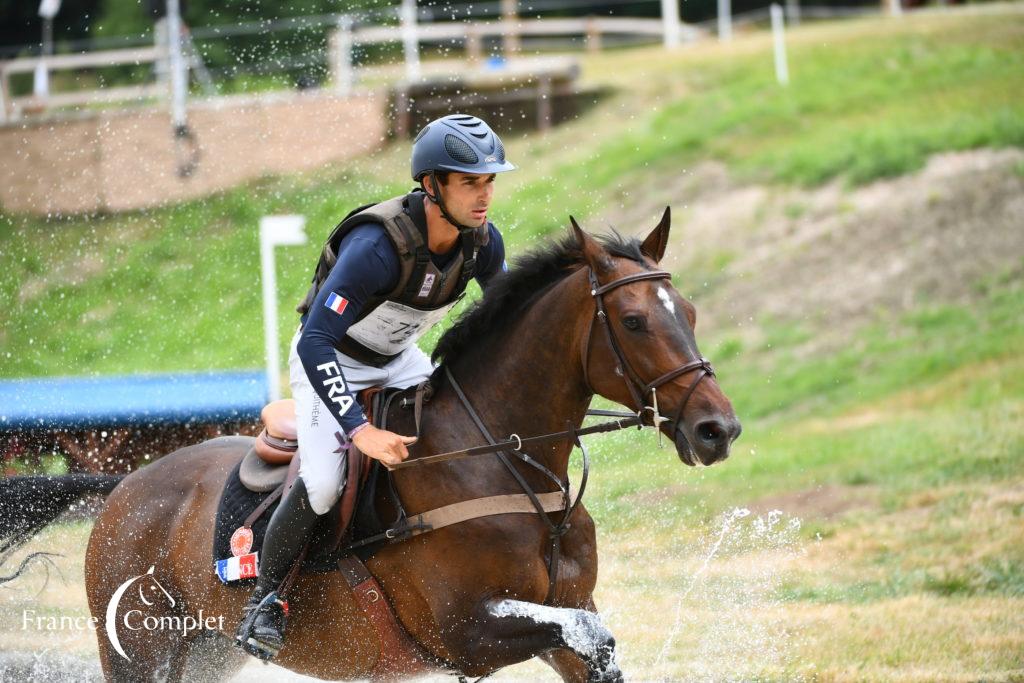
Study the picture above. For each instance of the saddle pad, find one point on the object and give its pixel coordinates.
(236, 503)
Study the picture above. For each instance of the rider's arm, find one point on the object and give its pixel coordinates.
(491, 259)
(367, 265)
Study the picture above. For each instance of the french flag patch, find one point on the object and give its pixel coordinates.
(336, 303)
(237, 568)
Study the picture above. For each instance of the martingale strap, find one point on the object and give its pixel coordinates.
(555, 531)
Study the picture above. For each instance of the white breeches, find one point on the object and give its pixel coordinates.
(322, 467)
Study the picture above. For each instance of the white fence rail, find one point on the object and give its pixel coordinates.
(347, 36)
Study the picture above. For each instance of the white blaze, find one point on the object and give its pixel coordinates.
(667, 300)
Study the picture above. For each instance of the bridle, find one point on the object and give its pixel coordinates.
(513, 446)
(638, 389)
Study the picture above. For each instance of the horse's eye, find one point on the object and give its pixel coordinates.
(633, 322)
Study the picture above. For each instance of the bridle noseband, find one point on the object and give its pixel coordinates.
(639, 389)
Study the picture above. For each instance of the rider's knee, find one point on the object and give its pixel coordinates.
(322, 495)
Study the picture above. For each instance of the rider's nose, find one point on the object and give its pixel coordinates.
(717, 433)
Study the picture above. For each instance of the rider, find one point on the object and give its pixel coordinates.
(387, 273)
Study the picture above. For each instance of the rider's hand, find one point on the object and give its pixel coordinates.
(388, 447)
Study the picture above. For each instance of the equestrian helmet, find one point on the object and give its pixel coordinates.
(460, 143)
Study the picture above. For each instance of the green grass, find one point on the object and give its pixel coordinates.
(177, 288)
(869, 102)
(941, 390)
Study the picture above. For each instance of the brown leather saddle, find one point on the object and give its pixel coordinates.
(273, 464)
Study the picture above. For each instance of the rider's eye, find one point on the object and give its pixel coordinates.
(633, 322)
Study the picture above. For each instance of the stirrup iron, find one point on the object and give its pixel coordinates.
(245, 637)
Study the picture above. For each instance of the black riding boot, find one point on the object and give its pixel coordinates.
(261, 632)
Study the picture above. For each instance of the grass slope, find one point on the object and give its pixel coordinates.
(178, 288)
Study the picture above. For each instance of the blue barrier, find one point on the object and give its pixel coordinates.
(186, 398)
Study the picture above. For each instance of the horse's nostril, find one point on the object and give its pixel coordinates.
(712, 432)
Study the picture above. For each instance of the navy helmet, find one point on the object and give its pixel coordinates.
(460, 143)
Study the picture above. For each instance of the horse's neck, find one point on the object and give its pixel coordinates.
(531, 382)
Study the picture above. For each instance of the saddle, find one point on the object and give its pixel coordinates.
(273, 464)
(268, 470)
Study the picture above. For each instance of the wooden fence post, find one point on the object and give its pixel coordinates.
(544, 103)
(474, 45)
(510, 38)
(593, 40)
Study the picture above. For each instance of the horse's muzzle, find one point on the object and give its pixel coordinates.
(710, 442)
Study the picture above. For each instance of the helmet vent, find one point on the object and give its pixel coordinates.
(459, 150)
(464, 117)
(422, 133)
(479, 136)
(500, 153)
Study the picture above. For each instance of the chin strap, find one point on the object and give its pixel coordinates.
(467, 233)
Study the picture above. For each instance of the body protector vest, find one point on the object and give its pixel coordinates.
(391, 323)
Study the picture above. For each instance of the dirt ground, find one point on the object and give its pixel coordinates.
(833, 256)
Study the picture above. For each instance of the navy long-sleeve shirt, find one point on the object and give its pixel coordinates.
(367, 266)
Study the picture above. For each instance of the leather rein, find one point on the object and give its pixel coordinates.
(513, 446)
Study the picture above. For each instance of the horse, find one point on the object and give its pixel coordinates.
(581, 316)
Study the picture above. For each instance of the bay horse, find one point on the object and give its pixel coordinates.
(530, 355)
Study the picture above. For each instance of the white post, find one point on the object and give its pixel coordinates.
(41, 79)
(896, 8)
(724, 20)
(410, 40)
(670, 20)
(274, 231)
(779, 36)
(341, 63)
(179, 77)
(510, 39)
(3, 97)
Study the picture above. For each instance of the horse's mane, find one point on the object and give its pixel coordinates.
(509, 294)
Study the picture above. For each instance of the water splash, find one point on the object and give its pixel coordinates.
(731, 615)
(727, 523)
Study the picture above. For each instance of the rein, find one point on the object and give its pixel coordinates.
(514, 444)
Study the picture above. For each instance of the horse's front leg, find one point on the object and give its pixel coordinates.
(520, 630)
(568, 665)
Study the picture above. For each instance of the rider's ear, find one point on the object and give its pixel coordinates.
(593, 252)
(655, 243)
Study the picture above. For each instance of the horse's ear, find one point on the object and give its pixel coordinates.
(593, 252)
(655, 243)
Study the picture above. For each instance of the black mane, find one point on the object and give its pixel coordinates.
(509, 294)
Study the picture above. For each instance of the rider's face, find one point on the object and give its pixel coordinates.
(467, 197)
